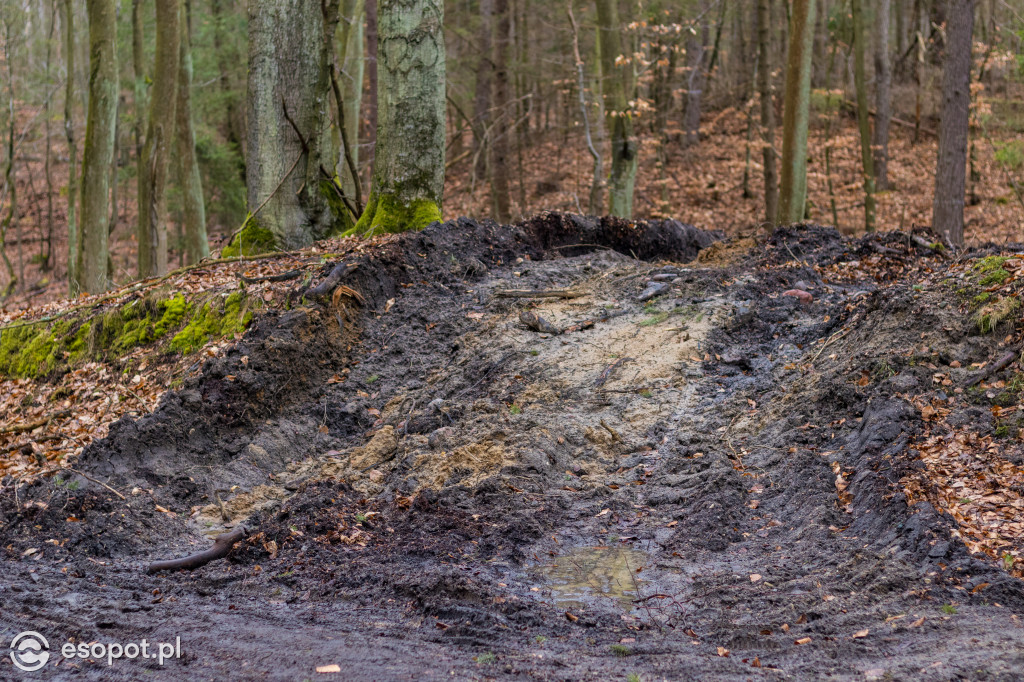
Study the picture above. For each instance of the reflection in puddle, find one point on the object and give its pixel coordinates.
(588, 573)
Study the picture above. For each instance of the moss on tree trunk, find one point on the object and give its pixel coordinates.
(408, 171)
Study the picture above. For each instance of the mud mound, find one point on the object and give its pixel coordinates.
(535, 453)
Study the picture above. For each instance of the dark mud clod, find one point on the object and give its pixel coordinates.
(222, 544)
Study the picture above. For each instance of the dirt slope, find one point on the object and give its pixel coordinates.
(707, 484)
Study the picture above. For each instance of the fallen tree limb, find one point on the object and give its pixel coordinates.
(31, 426)
(538, 323)
(539, 293)
(283, 277)
(331, 281)
(1002, 363)
(222, 544)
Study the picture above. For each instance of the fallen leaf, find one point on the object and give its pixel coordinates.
(571, 618)
(723, 652)
(860, 634)
(602, 513)
(918, 623)
(754, 577)
(332, 668)
(802, 640)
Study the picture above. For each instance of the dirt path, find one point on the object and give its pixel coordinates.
(702, 485)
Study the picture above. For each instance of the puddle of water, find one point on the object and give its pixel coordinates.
(588, 573)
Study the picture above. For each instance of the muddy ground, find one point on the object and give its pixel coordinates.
(703, 485)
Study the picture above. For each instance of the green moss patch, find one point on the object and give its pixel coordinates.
(989, 270)
(39, 350)
(387, 213)
(251, 241)
(212, 321)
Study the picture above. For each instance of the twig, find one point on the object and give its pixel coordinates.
(97, 482)
(607, 373)
(539, 293)
(222, 544)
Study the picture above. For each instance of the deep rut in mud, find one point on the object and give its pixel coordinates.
(691, 486)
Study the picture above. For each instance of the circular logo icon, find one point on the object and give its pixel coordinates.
(30, 651)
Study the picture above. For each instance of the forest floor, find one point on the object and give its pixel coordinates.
(795, 457)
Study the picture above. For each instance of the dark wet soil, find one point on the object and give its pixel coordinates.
(436, 492)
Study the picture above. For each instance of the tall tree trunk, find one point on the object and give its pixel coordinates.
(951, 163)
(793, 194)
(617, 82)
(234, 114)
(372, 41)
(290, 190)
(98, 156)
(863, 116)
(696, 53)
(883, 95)
(764, 86)
(597, 182)
(197, 246)
(408, 170)
(154, 163)
(350, 81)
(501, 127)
(484, 85)
(139, 86)
(74, 282)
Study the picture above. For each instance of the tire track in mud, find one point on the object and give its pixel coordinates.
(482, 500)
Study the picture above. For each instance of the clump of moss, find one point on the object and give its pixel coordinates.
(212, 321)
(38, 350)
(252, 240)
(27, 351)
(990, 271)
(388, 213)
(994, 314)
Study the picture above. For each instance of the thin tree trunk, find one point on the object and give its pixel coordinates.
(595, 199)
(863, 116)
(154, 163)
(501, 127)
(139, 86)
(234, 114)
(10, 181)
(951, 162)
(48, 254)
(408, 170)
(197, 246)
(617, 81)
(883, 95)
(98, 155)
(764, 85)
(484, 85)
(793, 194)
(696, 52)
(74, 283)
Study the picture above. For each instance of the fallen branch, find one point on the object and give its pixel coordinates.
(1000, 364)
(31, 426)
(283, 277)
(327, 286)
(539, 293)
(925, 244)
(222, 544)
(538, 323)
(607, 373)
